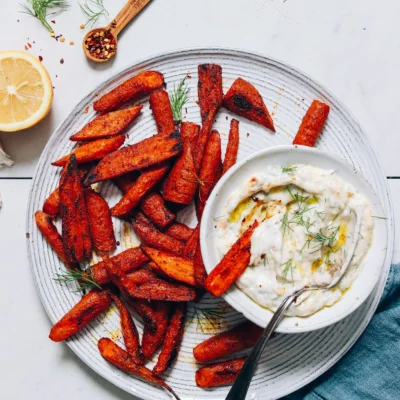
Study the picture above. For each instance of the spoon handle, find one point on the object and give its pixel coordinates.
(130, 10)
(242, 383)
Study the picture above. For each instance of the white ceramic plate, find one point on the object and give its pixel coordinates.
(290, 361)
(289, 155)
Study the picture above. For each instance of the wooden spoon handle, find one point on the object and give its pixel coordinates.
(130, 10)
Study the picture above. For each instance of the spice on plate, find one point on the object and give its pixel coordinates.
(101, 44)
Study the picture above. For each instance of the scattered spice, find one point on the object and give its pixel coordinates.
(40, 58)
(101, 44)
(247, 134)
(26, 47)
(52, 21)
(57, 37)
(71, 43)
(28, 235)
(52, 34)
(62, 40)
(62, 61)
(82, 26)
(29, 45)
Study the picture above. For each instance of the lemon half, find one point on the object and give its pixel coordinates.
(26, 91)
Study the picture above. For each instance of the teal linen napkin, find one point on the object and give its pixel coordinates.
(371, 369)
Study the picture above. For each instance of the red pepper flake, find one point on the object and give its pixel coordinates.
(26, 47)
(56, 76)
(30, 46)
(17, 20)
(226, 118)
(247, 134)
(40, 58)
(62, 61)
(101, 44)
(52, 21)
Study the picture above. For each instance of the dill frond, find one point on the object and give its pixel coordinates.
(84, 278)
(289, 169)
(41, 9)
(93, 9)
(179, 98)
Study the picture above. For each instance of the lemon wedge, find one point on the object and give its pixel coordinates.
(26, 91)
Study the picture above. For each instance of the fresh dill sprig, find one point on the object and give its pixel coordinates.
(374, 216)
(85, 279)
(288, 266)
(93, 9)
(285, 223)
(206, 318)
(324, 239)
(179, 98)
(41, 9)
(320, 214)
(289, 169)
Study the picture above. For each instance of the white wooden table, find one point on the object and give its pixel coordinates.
(349, 46)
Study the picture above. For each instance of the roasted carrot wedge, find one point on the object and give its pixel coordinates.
(50, 233)
(312, 124)
(200, 272)
(110, 124)
(133, 88)
(129, 332)
(191, 245)
(127, 261)
(210, 100)
(154, 238)
(121, 359)
(181, 184)
(51, 205)
(101, 226)
(232, 265)
(93, 150)
(77, 243)
(148, 152)
(179, 231)
(125, 182)
(154, 208)
(210, 171)
(146, 181)
(173, 339)
(190, 131)
(87, 309)
(220, 374)
(225, 344)
(178, 268)
(232, 148)
(161, 107)
(155, 319)
(244, 99)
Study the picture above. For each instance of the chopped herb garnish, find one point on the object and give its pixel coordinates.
(289, 169)
(84, 278)
(179, 98)
(288, 266)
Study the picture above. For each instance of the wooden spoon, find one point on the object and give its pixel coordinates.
(128, 12)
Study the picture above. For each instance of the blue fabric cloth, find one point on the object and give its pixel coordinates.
(371, 369)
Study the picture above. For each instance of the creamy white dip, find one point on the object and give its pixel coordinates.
(307, 219)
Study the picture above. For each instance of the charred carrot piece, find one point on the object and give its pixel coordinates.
(145, 284)
(148, 152)
(121, 359)
(178, 268)
(87, 309)
(191, 245)
(51, 205)
(127, 261)
(53, 238)
(129, 332)
(154, 238)
(232, 265)
(161, 108)
(200, 272)
(210, 100)
(134, 88)
(93, 150)
(220, 374)
(312, 124)
(125, 182)
(173, 339)
(146, 181)
(190, 131)
(225, 344)
(154, 332)
(232, 148)
(179, 231)
(210, 171)
(110, 124)
(153, 206)
(181, 184)
(155, 318)
(245, 100)
(101, 226)
(77, 243)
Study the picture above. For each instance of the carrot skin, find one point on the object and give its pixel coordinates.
(162, 112)
(179, 231)
(232, 147)
(153, 206)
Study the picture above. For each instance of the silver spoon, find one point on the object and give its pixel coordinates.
(242, 383)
